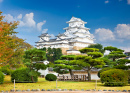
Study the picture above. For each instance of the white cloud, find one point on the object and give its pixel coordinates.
(122, 31)
(40, 24)
(19, 16)
(1, 1)
(127, 49)
(52, 36)
(128, 1)
(103, 34)
(106, 1)
(44, 30)
(28, 20)
(9, 17)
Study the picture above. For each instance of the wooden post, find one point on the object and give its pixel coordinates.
(56, 83)
(14, 85)
(96, 84)
(64, 77)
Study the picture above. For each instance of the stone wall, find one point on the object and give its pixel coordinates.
(64, 51)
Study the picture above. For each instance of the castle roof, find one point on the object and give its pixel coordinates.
(44, 35)
(74, 19)
(77, 27)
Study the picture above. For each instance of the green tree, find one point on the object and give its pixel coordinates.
(52, 54)
(32, 58)
(115, 53)
(87, 62)
(66, 62)
(121, 64)
(16, 60)
(98, 46)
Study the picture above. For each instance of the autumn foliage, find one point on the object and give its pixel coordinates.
(6, 42)
(11, 47)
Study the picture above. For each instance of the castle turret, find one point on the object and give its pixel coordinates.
(44, 37)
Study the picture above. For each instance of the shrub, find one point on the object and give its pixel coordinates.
(114, 77)
(128, 71)
(102, 70)
(1, 77)
(24, 75)
(51, 77)
(6, 70)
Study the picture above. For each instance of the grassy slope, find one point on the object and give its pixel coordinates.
(43, 84)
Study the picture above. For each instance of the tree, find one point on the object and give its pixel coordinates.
(66, 62)
(17, 58)
(121, 64)
(52, 54)
(115, 53)
(32, 57)
(87, 62)
(7, 44)
(98, 46)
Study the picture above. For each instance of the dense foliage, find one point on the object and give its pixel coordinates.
(34, 60)
(51, 77)
(24, 75)
(52, 54)
(1, 77)
(98, 46)
(128, 72)
(66, 62)
(11, 47)
(102, 70)
(6, 70)
(114, 77)
(60, 71)
(92, 59)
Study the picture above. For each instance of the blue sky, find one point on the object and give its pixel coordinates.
(108, 20)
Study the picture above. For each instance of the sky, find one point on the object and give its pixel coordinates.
(108, 20)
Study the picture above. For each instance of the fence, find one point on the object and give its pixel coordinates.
(73, 78)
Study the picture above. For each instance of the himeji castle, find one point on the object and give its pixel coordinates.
(75, 37)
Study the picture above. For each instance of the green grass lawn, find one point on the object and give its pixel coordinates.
(43, 84)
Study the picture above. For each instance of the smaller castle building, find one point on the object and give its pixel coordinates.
(75, 37)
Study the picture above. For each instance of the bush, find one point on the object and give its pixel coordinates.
(1, 77)
(114, 77)
(51, 77)
(102, 70)
(128, 71)
(24, 75)
(6, 70)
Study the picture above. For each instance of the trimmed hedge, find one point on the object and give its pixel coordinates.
(24, 75)
(51, 77)
(102, 70)
(1, 77)
(114, 77)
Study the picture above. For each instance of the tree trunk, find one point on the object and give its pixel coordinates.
(89, 74)
(32, 78)
(71, 73)
(114, 59)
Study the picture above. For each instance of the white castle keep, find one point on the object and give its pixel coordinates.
(75, 37)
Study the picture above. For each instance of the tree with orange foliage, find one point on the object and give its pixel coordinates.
(10, 46)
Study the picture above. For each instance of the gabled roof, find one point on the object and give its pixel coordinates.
(74, 19)
(44, 35)
(61, 35)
